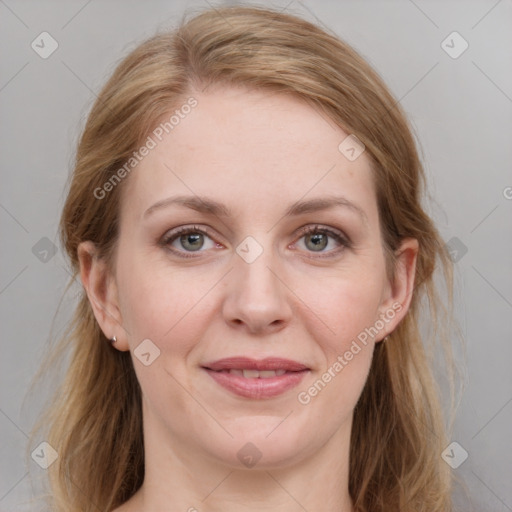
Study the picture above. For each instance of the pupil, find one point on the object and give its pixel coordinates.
(319, 240)
(192, 240)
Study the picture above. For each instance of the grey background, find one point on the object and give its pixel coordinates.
(461, 109)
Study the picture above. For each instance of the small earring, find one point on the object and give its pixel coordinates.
(385, 339)
(113, 340)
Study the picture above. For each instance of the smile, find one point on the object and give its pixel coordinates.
(256, 379)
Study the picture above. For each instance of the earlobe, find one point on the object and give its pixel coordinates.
(395, 306)
(102, 293)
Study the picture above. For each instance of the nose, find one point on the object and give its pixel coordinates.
(257, 299)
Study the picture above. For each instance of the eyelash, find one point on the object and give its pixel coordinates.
(172, 236)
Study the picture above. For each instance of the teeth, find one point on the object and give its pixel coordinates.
(251, 374)
(255, 374)
(264, 374)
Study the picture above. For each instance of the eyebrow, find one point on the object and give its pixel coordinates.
(212, 207)
(199, 204)
(324, 203)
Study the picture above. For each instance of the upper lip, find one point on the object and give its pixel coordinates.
(246, 363)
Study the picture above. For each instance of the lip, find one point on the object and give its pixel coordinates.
(269, 363)
(256, 388)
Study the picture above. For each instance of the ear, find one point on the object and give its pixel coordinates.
(398, 294)
(102, 293)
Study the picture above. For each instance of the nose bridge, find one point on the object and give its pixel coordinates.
(256, 277)
(253, 271)
(257, 297)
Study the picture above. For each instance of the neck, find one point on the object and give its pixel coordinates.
(181, 477)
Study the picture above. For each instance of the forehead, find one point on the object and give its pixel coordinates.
(249, 149)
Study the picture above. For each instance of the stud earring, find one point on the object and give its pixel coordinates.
(113, 340)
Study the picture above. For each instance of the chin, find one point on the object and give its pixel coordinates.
(267, 448)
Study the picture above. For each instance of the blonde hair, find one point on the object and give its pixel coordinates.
(95, 419)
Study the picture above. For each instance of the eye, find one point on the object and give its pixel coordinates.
(316, 239)
(188, 239)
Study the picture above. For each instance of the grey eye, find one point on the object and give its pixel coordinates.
(316, 241)
(192, 241)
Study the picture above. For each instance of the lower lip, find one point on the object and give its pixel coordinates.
(257, 388)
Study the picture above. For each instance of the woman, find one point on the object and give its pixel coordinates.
(245, 217)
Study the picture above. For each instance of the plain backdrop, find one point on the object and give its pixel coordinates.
(458, 99)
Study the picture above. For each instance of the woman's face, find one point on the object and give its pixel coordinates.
(248, 277)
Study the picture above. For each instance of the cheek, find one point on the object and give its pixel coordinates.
(344, 305)
(168, 308)
(157, 303)
(349, 309)
(348, 306)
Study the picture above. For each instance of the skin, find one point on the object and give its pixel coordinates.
(257, 153)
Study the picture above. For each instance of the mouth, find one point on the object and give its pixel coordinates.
(256, 379)
(253, 374)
